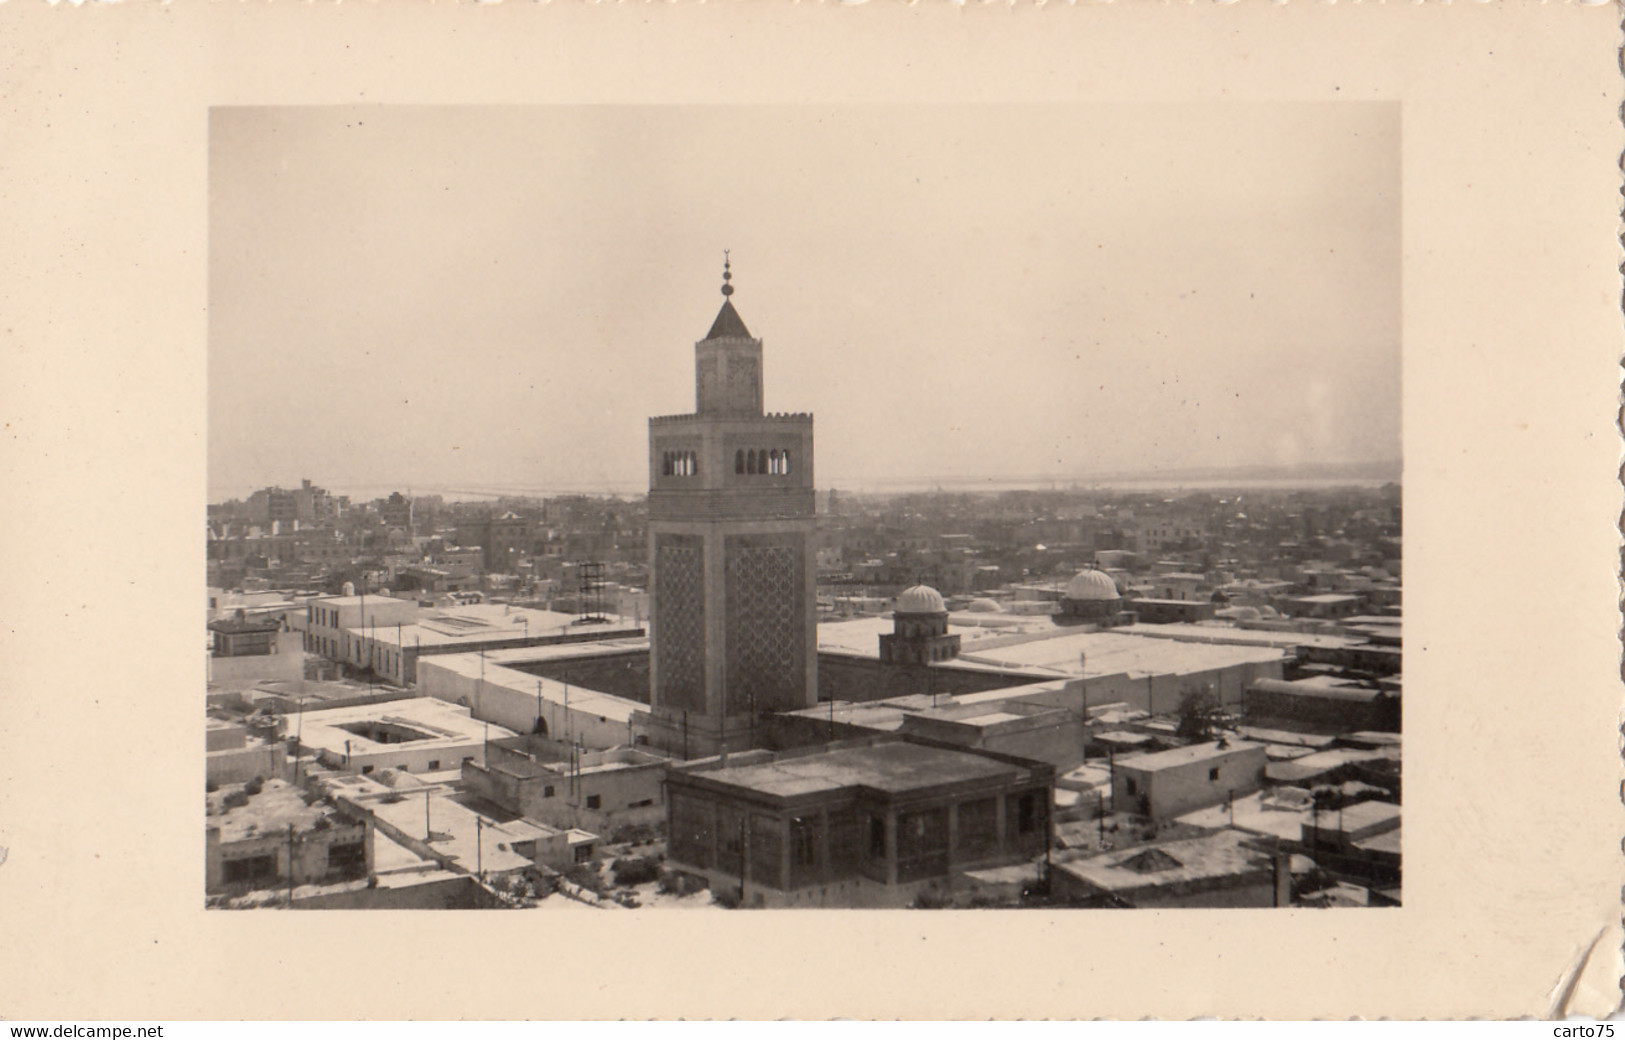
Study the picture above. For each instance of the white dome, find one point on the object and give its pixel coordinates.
(984, 606)
(1091, 585)
(921, 599)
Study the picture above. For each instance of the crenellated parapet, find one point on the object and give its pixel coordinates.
(733, 566)
(692, 417)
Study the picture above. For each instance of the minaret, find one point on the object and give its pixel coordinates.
(731, 553)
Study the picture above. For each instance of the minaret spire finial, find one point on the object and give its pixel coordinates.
(727, 276)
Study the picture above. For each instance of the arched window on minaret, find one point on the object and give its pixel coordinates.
(750, 461)
(665, 464)
(739, 461)
(784, 462)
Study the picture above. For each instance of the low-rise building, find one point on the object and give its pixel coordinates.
(417, 735)
(243, 636)
(329, 619)
(1325, 605)
(1159, 611)
(858, 823)
(262, 839)
(1014, 727)
(239, 765)
(1164, 784)
(494, 687)
(596, 790)
(427, 821)
(220, 735)
(1359, 841)
(1329, 704)
(393, 652)
(1220, 869)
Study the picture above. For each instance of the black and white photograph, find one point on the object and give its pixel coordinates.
(960, 507)
(936, 492)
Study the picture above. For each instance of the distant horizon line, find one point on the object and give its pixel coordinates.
(1258, 476)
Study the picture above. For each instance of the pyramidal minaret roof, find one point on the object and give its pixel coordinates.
(729, 325)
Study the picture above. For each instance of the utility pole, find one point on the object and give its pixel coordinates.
(1314, 846)
(298, 737)
(479, 846)
(1083, 711)
(290, 866)
(744, 862)
(1111, 774)
(428, 829)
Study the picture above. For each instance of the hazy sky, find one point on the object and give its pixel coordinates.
(463, 298)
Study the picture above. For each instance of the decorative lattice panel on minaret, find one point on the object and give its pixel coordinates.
(764, 627)
(680, 620)
(742, 382)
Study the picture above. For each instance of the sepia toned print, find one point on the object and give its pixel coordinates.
(489, 283)
(1114, 624)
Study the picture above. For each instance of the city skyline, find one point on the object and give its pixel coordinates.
(395, 303)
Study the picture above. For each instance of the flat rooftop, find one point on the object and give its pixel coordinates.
(592, 702)
(356, 601)
(1319, 762)
(1122, 736)
(1210, 857)
(419, 723)
(1361, 816)
(485, 622)
(882, 715)
(987, 707)
(1181, 756)
(1118, 653)
(617, 644)
(990, 718)
(893, 767)
(457, 832)
(1266, 735)
(278, 806)
(1371, 738)
(313, 691)
(1387, 842)
(1252, 814)
(860, 636)
(1327, 686)
(1222, 633)
(596, 762)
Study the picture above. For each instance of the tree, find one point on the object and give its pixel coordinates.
(1199, 715)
